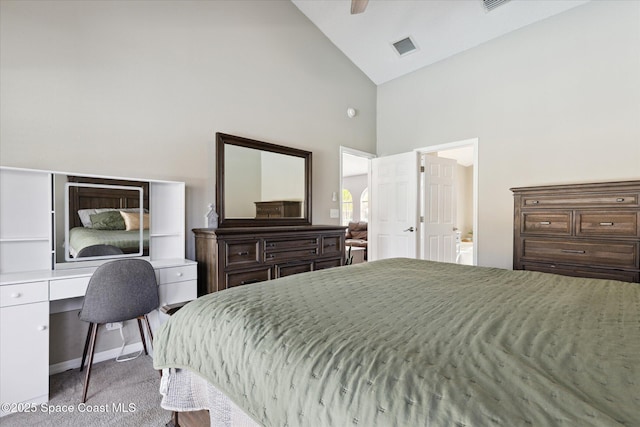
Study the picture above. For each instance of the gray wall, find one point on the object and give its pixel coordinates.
(555, 102)
(138, 89)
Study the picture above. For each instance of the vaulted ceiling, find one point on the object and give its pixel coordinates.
(438, 28)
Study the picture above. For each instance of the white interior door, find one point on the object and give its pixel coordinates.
(394, 206)
(439, 209)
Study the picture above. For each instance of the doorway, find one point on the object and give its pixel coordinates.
(355, 181)
(465, 155)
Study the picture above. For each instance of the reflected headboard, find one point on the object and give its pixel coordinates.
(94, 198)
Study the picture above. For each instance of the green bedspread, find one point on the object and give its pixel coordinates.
(414, 343)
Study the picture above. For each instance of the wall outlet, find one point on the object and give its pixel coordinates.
(334, 213)
(113, 326)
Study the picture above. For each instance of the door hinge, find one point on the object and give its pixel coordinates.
(421, 168)
(421, 219)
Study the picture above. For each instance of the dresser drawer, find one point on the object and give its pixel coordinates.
(332, 245)
(581, 200)
(550, 222)
(247, 277)
(624, 276)
(292, 255)
(607, 223)
(268, 211)
(271, 245)
(289, 269)
(24, 293)
(594, 253)
(329, 263)
(177, 274)
(242, 252)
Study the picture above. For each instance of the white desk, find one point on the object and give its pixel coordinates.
(28, 298)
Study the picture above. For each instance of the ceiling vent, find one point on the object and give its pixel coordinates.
(489, 5)
(404, 46)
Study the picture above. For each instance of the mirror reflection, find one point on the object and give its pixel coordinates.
(103, 218)
(263, 184)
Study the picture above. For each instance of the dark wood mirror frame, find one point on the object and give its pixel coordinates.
(222, 140)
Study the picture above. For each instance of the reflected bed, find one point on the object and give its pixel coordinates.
(128, 241)
(414, 343)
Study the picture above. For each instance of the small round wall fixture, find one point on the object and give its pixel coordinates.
(351, 112)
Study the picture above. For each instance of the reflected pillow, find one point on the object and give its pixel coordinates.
(109, 220)
(132, 220)
(85, 214)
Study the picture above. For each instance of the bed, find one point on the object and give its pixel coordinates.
(404, 342)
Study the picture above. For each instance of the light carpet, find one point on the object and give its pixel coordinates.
(120, 394)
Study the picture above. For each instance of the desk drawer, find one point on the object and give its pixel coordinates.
(68, 288)
(603, 223)
(551, 222)
(177, 274)
(590, 253)
(178, 292)
(24, 293)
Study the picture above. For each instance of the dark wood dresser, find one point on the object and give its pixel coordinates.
(584, 230)
(230, 257)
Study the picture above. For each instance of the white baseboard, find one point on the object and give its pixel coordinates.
(97, 357)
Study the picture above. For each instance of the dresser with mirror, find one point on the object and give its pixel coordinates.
(50, 225)
(264, 230)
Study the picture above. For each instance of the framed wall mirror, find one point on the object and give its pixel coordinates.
(261, 184)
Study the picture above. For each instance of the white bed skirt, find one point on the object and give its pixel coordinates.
(184, 391)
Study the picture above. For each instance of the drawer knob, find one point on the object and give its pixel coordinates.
(606, 224)
(271, 256)
(545, 222)
(534, 202)
(620, 199)
(179, 274)
(42, 327)
(16, 295)
(243, 253)
(573, 251)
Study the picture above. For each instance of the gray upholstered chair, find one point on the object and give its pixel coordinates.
(99, 250)
(119, 290)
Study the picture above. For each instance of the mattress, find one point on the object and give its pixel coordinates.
(416, 343)
(81, 237)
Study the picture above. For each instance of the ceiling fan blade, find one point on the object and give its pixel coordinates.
(358, 6)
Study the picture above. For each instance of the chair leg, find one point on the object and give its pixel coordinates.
(86, 347)
(146, 319)
(92, 345)
(144, 343)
